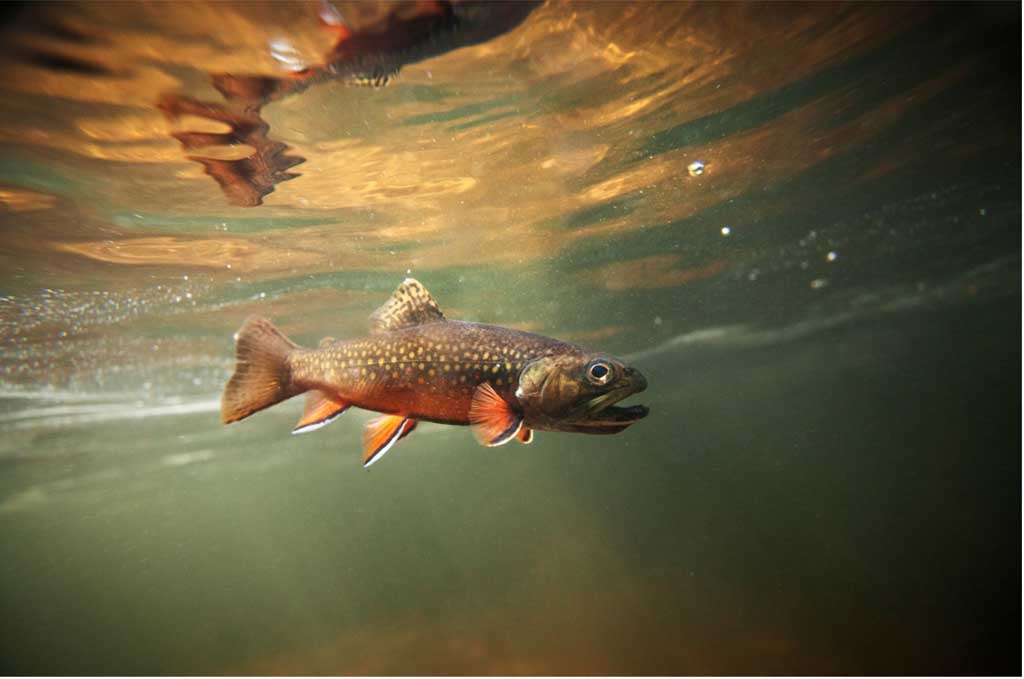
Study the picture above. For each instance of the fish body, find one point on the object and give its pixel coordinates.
(428, 372)
(416, 365)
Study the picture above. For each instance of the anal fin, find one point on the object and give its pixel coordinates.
(491, 417)
(525, 436)
(383, 432)
(321, 409)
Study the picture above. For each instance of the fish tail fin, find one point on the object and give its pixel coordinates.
(262, 374)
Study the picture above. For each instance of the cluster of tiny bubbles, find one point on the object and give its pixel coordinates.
(70, 339)
(813, 250)
(58, 313)
(891, 230)
(151, 369)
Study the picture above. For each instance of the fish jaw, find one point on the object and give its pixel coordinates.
(601, 415)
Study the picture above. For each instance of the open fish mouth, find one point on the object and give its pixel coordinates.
(602, 411)
(620, 415)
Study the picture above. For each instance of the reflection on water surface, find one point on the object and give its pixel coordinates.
(827, 315)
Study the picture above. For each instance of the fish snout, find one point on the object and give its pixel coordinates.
(637, 379)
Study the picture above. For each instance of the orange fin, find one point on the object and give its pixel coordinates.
(525, 436)
(262, 377)
(492, 418)
(407, 428)
(381, 433)
(321, 409)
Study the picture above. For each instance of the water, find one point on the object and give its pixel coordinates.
(827, 313)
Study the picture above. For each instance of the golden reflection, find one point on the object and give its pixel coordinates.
(569, 161)
(23, 200)
(473, 157)
(658, 271)
(240, 254)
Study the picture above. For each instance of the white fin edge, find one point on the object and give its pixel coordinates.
(506, 436)
(313, 426)
(387, 446)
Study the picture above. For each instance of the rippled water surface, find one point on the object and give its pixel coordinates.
(801, 222)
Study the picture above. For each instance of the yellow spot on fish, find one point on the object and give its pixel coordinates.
(462, 378)
(508, 366)
(499, 381)
(394, 375)
(373, 376)
(431, 372)
(421, 366)
(495, 368)
(486, 355)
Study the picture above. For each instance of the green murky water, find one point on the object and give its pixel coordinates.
(828, 316)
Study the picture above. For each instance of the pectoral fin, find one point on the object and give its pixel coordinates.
(321, 409)
(381, 433)
(525, 436)
(492, 419)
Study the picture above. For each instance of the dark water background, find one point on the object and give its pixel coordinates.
(828, 316)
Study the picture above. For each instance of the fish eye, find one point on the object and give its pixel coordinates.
(599, 372)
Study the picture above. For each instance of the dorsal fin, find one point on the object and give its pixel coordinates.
(410, 305)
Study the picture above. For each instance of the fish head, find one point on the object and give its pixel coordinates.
(578, 393)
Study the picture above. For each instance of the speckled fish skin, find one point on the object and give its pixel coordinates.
(418, 365)
(427, 372)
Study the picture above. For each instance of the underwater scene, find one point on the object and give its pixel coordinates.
(746, 277)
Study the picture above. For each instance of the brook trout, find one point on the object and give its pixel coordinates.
(417, 365)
